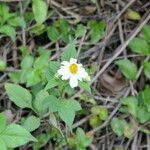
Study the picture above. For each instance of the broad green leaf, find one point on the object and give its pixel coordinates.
(82, 140)
(147, 69)
(129, 72)
(27, 62)
(2, 122)
(31, 123)
(38, 102)
(33, 78)
(146, 97)
(132, 103)
(73, 103)
(146, 32)
(42, 61)
(117, 126)
(143, 115)
(94, 121)
(9, 31)
(24, 75)
(14, 135)
(53, 121)
(85, 85)
(102, 112)
(69, 51)
(53, 33)
(133, 15)
(40, 10)
(24, 50)
(97, 31)
(67, 110)
(52, 69)
(94, 1)
(2, 65)
(128, 131)
(4, 13)
(51, 84)
(65, 29)
(3, 145)
(42, 140)
(140, 45)
(52, 103)
(14, 77)
(67, 115)
(38, 29)
(19, 95)
(80, 31)
(17, 21)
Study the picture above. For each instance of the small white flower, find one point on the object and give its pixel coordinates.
(72, 71)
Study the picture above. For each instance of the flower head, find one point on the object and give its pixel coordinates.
(72, 71)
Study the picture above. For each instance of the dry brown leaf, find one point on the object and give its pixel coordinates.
(111, 84)
(90, 9)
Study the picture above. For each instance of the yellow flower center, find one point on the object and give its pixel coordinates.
(73, 68)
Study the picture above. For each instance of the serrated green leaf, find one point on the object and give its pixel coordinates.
(40, 10)
(140, 46)
(4, 13)
(117, 126)
(69, 51)
(132, 103)
(142, 114)
(146, 32)
(24, 75)
(42, 140)
(38, 29)
(9, 31)
(33, 78)
(51, 84)
(2, 65)
(146, 97)
(128, 131)
(67, 115)
(42, 61)
(3, 145)
(97, 31)
(17, 21)
(82, 140)
(129, 72)
(52, 69)
(19, 95)
(27, 62)
(31, 123)
(147, 69)
(73, 103)
(52, 103)
(14, 135)
(53, 33)
(14, 77)
(2, 122)
(38, 102)
(85, 85)
(67, 110)
(80, 31)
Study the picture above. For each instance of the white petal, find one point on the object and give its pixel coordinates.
(65, 63)
(73, 81)
(63, 70)
(82, 73)
(73, 61)
(66, 76)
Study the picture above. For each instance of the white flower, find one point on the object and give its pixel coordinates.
(72, 71)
